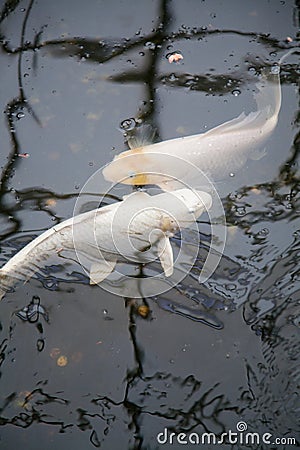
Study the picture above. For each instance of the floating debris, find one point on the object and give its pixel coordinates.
(143, 310)
(22, 399)
(50, 202)
(62, 361)
(174, 57)
(55, 352)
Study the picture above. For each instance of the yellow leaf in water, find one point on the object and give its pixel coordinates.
(62, 361)
(22, 399)
(143, 310)
(50, 202)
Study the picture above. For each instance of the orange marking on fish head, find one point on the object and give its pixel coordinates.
(134, 166)
(167, 224)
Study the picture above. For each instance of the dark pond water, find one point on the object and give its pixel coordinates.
(81, 367)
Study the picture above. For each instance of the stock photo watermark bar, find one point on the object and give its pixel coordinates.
(240, 436)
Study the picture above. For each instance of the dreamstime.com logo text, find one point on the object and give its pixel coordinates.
(240, 437)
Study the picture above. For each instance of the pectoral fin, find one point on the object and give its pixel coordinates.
(100, 270)
(165, 255)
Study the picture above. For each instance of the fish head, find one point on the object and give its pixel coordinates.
(166, 212)
(182, 207)
(174, 210)
(125, 168)
(141, 166)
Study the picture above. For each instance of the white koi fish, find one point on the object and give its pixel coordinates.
(217, 152)
(136, 229)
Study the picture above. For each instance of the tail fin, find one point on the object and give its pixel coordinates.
(269, 96)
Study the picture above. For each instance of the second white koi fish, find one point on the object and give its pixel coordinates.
(217, 152)
(136, 229)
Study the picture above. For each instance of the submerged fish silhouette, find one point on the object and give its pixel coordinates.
(217, 152)
(136, 229)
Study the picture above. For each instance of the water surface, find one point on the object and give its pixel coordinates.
(80, 367)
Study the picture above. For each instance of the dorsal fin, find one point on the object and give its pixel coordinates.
(235, 124)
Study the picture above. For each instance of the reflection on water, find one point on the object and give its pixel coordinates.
(81, 367)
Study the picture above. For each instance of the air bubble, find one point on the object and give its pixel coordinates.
(241, 211)
(128, 124)
(236, 92)
(150, 45)
(230, 287)
(40, 345)
(264, 232)
(275, 69)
